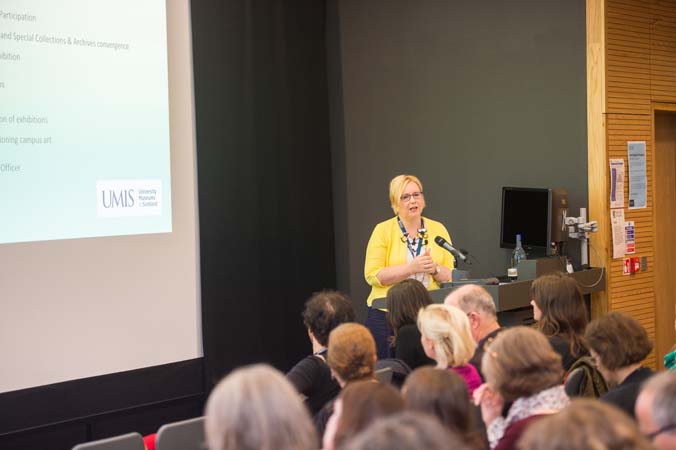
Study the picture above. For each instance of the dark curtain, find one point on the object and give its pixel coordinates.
(264, 171)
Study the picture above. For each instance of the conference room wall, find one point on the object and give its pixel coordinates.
(264, 171)
(469, 96)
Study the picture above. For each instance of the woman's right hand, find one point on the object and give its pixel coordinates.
(423, 263)
(490, 401)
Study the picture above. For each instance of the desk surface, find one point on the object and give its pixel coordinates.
(514, 295)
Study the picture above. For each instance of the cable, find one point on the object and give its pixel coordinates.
(603, 269)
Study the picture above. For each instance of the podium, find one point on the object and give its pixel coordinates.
(515, 295)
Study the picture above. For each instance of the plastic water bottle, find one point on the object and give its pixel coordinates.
(518, 255)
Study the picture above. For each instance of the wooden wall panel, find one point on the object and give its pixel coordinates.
(640, 71)
(628, 25)
(663, 51)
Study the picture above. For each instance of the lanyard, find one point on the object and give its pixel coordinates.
(422, 235)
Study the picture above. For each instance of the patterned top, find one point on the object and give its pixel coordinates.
(554, 398)
(670, 360)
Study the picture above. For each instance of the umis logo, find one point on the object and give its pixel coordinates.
(128, 198)
(122, 198)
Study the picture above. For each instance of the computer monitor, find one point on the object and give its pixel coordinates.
(528, 212)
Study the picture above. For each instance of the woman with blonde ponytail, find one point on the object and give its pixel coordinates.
(447, 339)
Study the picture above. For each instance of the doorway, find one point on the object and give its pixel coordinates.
(665, 230)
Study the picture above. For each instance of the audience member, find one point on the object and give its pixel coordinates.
(351, 357)
(443, 394)
(560, 313)
(479, 306)
(522, 368)
(256, 408)
(323, 312)
(358, 405)
(656, 410)
(406, 431)
(618, 345)
(446, 338)
(585, 424)
(404, 300)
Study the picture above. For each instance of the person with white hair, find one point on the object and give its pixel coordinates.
(656, 410)
(479, 306)
(446, 338)
(256, 408)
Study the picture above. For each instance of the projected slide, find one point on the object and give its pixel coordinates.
(84, 119)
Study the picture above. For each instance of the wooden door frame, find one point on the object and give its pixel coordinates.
(663, 315)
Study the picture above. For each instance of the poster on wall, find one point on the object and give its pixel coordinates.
(618, 233)
(637, 174)
(630, 237)
(617, 183)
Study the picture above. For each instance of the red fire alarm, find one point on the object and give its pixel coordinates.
(635, 264)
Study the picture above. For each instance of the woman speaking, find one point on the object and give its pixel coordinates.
(400, 248)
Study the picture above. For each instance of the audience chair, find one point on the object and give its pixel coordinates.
(399, 368)
(183, 435)
(384, 375)
(131, 441)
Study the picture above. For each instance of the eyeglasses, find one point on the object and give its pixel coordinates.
(407, 197)
(664, 429)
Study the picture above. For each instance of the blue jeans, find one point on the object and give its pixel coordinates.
(377, 325)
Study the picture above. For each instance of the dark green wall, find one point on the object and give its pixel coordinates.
(470, 96)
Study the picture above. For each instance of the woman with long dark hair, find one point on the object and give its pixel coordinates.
(404, 300)
(561, 315)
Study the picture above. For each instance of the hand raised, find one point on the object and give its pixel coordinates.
(490, 401)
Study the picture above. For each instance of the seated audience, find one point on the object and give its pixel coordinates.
(561, 315)
(256, 408)
(443, 394)
(584, 425)
(323, 312)
(351, 357)
(656, 410)
(447, 340)
(479, 306)
(404, 300)
(358, 405)
(406, 431)
(521, 368)
(618, 346)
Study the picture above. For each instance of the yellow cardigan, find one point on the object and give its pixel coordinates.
(385, 249)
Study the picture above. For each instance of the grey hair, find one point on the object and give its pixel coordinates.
(663, 387)
(472, 297)
(256, 408)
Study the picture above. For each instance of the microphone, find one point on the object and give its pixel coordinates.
(441, 242)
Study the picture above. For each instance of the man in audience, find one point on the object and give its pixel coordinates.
(478, 304)
(656, 410)
(323, 312)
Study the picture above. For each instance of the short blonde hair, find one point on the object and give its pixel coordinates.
(397, 186)
(520, 362)
(448, 328)
(352, 352)
(256, 408)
